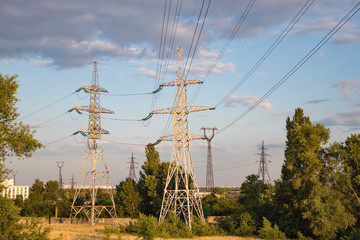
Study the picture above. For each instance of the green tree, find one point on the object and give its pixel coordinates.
(16, 139)
(129, 198)
(304, 199)
(152, 182)
(255, 198)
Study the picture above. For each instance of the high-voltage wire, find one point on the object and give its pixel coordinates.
(294, 21)
(167, 126)
(49, 105)
(231, 37)
(327, 37)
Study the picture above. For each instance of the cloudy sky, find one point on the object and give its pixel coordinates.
(240, 49)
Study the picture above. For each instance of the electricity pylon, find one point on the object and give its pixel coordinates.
(14, 175)
(60, 165)
(93, 152)
(209, 167)
(181, 193)
(132, 174)
(263, 167)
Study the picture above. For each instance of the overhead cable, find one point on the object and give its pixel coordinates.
(294, 21)
(328, 36)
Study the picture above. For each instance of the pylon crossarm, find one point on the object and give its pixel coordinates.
(94, 89)
(90, 109)
(168, 110)
(178, 83)
(198, 108)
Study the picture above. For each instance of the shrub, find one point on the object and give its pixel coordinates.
(268, 232)
(200, 228)
(300, 236)
(243, 225)
(174, 227)
(146, 227)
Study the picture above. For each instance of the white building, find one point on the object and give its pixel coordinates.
(12, 191)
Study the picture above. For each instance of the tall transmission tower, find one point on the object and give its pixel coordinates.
(263, 167)
(209, 167)
(181, 193)
(60, 165)
(132, 174)
(91, 177)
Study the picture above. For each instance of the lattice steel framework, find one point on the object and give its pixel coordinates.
(132, 174)
(209, 167)
(89, 174)
(263, 167)
(181, 193)
(60, 165)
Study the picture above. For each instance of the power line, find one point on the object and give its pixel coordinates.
(231, 37)
(295, 20)
(49, 105)
(328, 36)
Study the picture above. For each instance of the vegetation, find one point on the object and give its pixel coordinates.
(316, 197)
(16, 140)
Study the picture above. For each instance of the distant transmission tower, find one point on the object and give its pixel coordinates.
(209, 167)
(132, 174)
(60, 165)
(263, 167)
(14, 175)
(93, 152)
(181, 193)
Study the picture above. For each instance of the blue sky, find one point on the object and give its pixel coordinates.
(51, 46)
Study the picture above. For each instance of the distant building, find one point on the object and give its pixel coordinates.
(12, 191)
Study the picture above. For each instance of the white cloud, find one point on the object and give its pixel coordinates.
(346, 86)
(349, 119)
(246, 100)
(146, 72)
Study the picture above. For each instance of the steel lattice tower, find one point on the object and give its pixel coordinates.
(181, 193)
(263, 167)
(209, 167)
(60, 165)
(132, 174)
(91, 177)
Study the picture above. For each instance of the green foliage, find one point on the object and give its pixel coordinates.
(33, 230)
(325, 212)
(200, 228)
(152, 182)
(255, 198)
(128, 199)
(16, 139)
(173, 227)
(146, 227)
(269, 232)
(243, 225)
(9, 217)
(218, 206)
(300, 236)
(11, 229)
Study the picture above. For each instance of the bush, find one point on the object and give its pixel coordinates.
(243, 225)
(200, 228)
(268, 232)
(146, 227)
(300, 236)
(174, 227)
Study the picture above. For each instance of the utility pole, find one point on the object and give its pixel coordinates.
(209, 167)
(94, 152)
(132, 174)
(182, 195)
(263, 167)
(14, 175)
(60, 165)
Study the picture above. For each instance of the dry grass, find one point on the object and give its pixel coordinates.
(79, 231)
